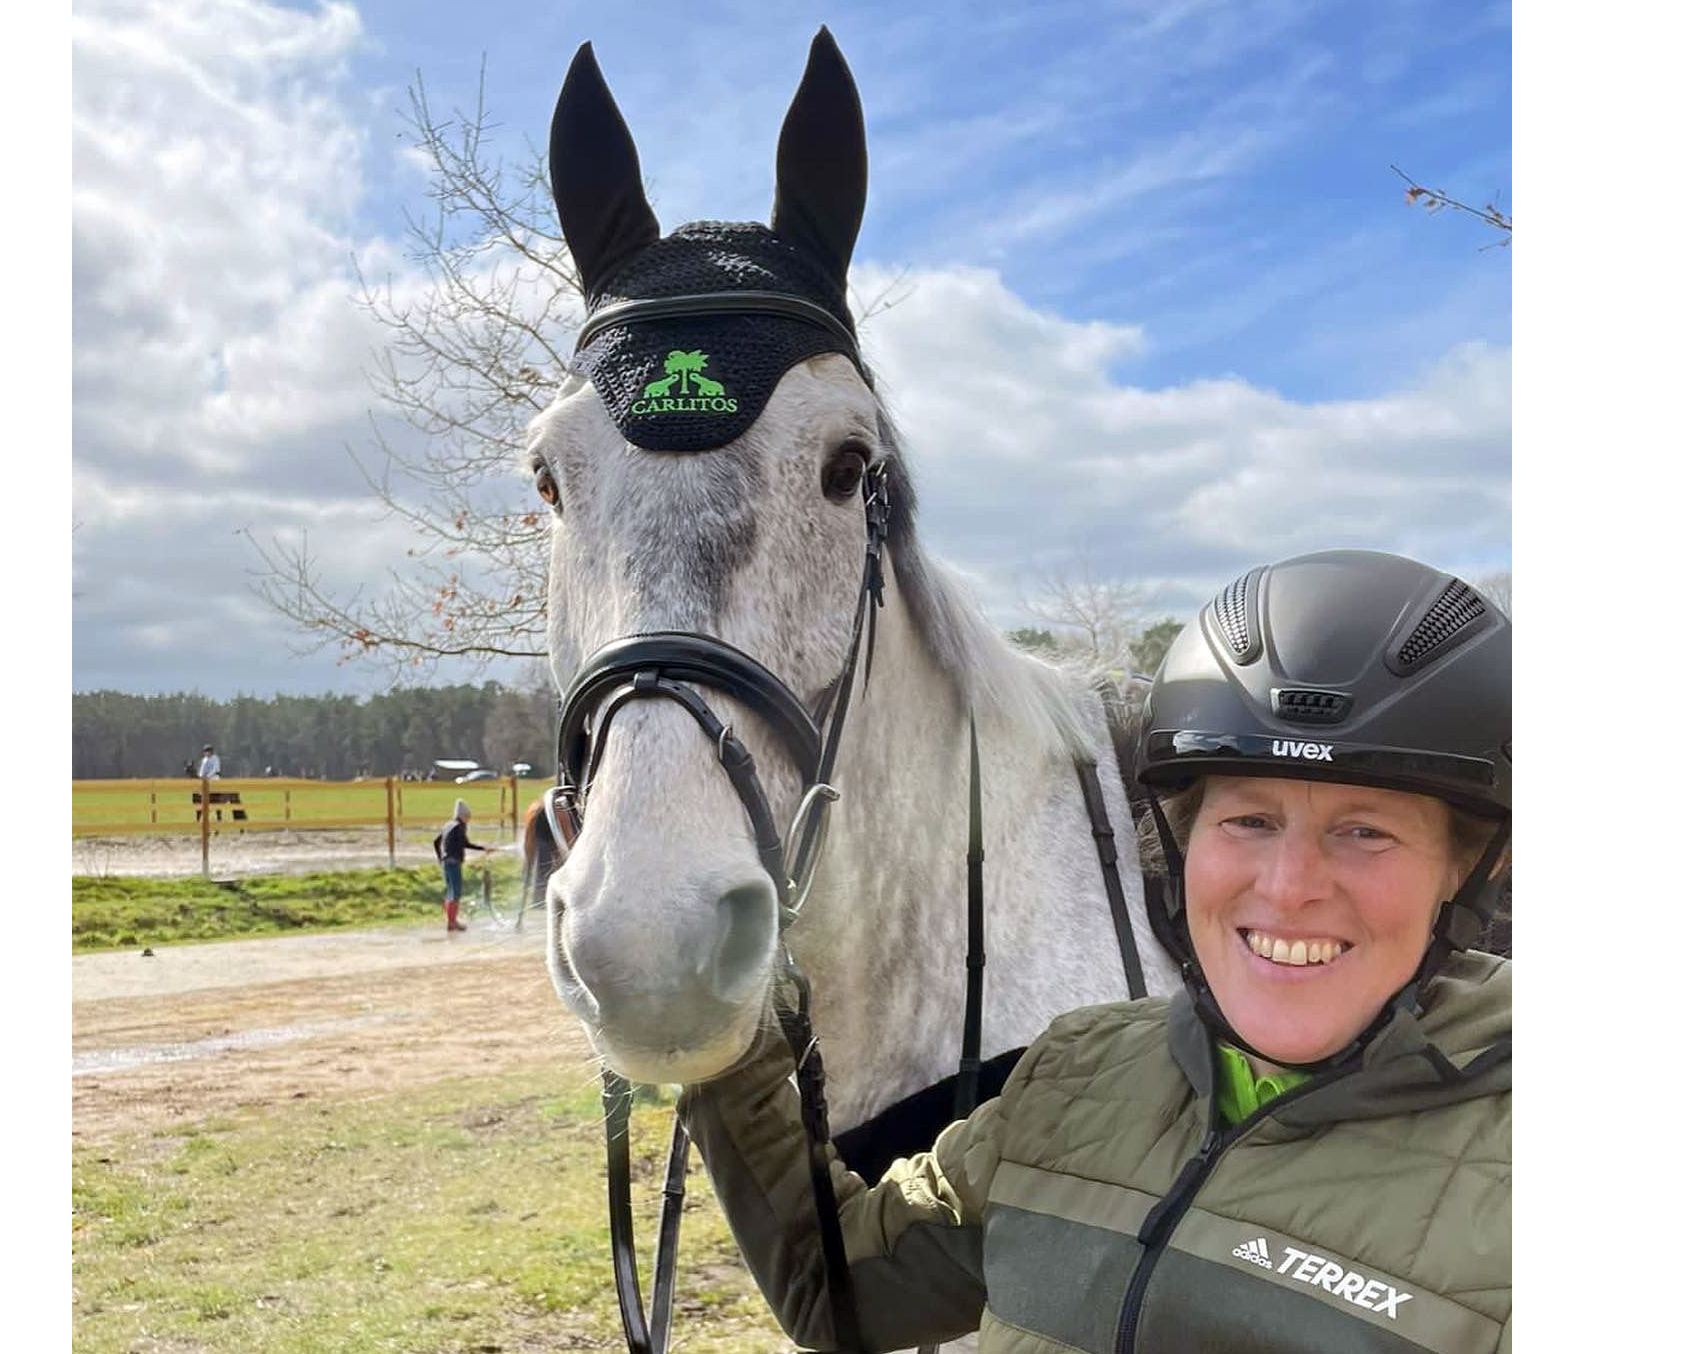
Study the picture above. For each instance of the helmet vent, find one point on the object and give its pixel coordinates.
(1303, 706)
(1233, 614)
(1456, 607)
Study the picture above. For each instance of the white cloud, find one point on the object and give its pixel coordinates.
(1030, 449)
(215, 175)
(219, 375)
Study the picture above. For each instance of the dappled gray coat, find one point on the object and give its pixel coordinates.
(1095, 1205)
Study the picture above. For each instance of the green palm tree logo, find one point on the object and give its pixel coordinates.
(684, 365)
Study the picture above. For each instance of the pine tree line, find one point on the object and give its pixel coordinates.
(334, 737)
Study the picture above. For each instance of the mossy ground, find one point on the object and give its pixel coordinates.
(119, 913)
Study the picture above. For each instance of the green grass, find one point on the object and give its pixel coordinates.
(120, 913)
(468, 1216)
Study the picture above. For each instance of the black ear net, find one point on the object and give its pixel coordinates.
(595, 172)
(822, 165)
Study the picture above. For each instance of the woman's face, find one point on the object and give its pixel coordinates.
(1310, 904)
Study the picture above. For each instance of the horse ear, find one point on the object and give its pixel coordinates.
(822, 167)
(596, 176)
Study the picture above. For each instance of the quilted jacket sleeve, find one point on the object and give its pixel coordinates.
(913, 1242)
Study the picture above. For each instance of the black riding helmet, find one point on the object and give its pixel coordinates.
(1346, 666)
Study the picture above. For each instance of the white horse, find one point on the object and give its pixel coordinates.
(662, 931)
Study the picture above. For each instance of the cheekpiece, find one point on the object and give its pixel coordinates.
(698, 380)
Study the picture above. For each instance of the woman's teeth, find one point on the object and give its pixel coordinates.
(1296, 953)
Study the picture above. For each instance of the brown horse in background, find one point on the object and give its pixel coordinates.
(541, 856)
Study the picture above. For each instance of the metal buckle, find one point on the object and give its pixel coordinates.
(561, 838)
(802, 887)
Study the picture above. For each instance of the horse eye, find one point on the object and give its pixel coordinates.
(844, 472)
(545, 485)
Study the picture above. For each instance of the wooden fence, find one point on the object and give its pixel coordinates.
(188, 807)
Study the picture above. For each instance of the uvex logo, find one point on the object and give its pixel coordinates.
(1311, 752)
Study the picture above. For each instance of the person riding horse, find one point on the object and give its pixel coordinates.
(1308, 1147)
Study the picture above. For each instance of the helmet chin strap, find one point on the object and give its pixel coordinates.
(1458, 925)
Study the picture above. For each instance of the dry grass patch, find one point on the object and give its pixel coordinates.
(467, 1216)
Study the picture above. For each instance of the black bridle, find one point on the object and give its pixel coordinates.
(670, 665)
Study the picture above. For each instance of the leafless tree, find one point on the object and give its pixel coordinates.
(1495, 587)
(476, 347)
(521, 721)
(1094, 621)
(1435, 200)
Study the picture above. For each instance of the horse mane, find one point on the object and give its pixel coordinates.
(984, 667)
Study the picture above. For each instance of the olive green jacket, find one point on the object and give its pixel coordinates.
(1098, 1205)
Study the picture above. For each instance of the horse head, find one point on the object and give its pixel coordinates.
(705, 463)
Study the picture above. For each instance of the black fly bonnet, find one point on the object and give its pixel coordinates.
(687, 336)
(686, 343)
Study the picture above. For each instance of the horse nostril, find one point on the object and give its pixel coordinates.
(746, 923)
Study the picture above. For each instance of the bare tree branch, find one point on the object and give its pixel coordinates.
(1095, 620)
(1495, 587)
(475, 346)
(476, 342)
(1434, 200)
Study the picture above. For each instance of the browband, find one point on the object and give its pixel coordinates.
(709, 304)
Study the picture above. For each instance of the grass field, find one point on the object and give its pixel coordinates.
(167, 806)
(467, 1216)
(117, 913)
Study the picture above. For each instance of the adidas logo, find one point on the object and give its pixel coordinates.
(1329, 1275)
(1255, 1251)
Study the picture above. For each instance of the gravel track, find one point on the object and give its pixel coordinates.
(197, 1031)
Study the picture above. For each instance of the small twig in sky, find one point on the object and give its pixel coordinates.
(1435, 200)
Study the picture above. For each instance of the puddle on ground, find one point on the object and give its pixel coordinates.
(150, 1055)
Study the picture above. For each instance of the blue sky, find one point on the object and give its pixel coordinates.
(1166, 233)
(1216, 173)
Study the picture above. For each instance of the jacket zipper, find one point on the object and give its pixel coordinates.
(1159, 1225)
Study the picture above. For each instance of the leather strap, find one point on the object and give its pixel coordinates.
(813, 1113)
(684, 657)
(707, 305)
(966, 1092)
(1104, 838)
(664, 664)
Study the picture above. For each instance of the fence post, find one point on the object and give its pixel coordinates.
(153, 805)
(516, 809)
(390, 822)
(205, 828)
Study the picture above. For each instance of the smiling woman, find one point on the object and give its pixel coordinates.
(1308, 1148)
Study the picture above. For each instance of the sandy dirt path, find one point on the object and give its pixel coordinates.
(200, 1030)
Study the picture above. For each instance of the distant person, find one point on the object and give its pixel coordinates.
(210, 769)
(450, 846)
